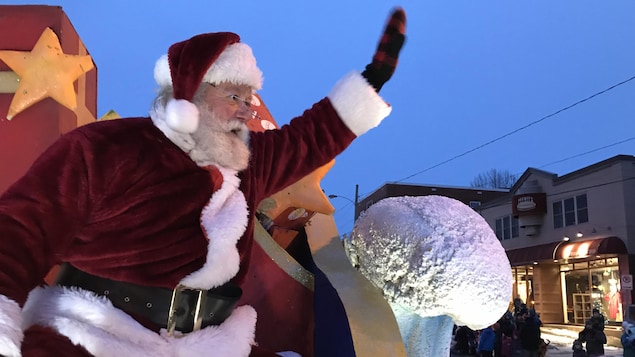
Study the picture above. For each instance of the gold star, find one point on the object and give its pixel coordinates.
(305, 193)
(44, 72)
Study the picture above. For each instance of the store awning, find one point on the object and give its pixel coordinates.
(566, 250)
(592, 247)
(528, 255)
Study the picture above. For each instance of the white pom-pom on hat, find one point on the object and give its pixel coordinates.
(181, 115)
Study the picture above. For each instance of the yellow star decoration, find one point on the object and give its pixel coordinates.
(305, 193)
(44, 72)
(110, 115)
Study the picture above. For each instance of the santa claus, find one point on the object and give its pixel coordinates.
(152, 219)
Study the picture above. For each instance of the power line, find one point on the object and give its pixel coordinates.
(519, 129)
(582, 154)
(588, 152)
(523, 128)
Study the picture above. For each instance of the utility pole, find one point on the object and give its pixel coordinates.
(356, 202)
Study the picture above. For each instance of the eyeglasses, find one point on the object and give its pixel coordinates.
(233, 98)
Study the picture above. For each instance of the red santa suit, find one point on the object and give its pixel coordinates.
(123, 200)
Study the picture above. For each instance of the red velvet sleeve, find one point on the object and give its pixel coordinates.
(39, 214)
(281, 157)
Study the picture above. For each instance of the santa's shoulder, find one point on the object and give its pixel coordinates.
(116, 131)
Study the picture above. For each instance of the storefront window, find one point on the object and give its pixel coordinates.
(523, 289)
(590, 285)
(578, 296)
(606, 293)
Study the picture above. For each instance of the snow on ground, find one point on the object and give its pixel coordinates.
(562, 339)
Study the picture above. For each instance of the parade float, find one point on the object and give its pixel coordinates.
(48, 86)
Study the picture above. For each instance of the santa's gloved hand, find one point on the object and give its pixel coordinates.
(379, 71)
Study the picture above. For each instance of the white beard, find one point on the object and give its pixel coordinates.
(220, 142)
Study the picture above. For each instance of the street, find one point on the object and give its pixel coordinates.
(561, 346)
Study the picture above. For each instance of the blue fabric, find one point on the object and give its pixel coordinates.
(332, 333)
(486, 340)
(628, 343)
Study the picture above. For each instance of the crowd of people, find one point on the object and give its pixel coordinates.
(516, 333)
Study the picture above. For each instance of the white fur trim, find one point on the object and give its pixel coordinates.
(90, 321)
(181, 115)
(358, 104)
(105, 331)
(162, 72)
(224, 220)
(10, 327)
(235, 64)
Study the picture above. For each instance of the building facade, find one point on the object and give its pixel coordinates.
(569, 238)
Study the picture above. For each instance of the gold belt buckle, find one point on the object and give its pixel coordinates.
(198, 317)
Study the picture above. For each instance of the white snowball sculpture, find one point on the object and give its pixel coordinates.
(438, 263)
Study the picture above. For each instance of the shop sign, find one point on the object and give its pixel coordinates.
(626, 282)
(529, 204)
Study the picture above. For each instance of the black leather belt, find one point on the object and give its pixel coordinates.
(191, 309)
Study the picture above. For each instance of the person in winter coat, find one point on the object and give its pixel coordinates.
(486, 341)
(529, 335)
(628, 339)
(597, 319)
(594, 338)
(578, 349)
(463, 337)
(502, 346)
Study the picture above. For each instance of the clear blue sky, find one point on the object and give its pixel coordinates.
(471, 72)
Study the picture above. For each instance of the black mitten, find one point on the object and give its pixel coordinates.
(384, 61)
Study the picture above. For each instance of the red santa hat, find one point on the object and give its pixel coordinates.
(206, 58)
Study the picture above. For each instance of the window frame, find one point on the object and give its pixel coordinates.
(570, 211)
(507, 227)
